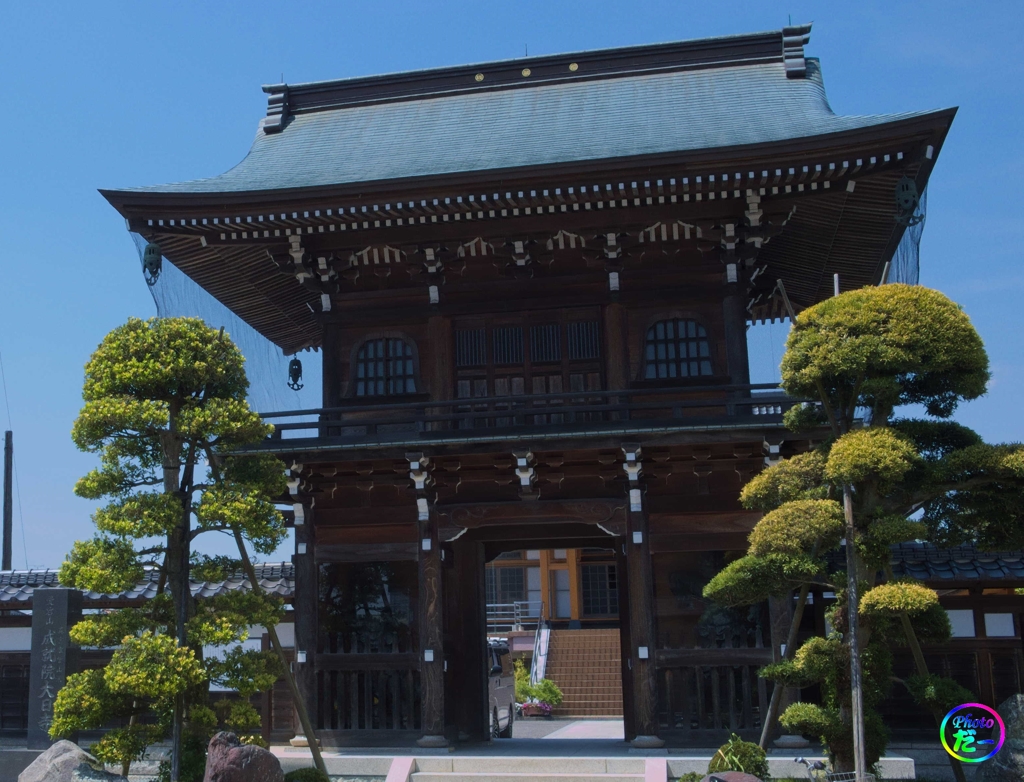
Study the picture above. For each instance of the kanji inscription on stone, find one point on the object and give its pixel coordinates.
(52, 659)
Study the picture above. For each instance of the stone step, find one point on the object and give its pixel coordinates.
(480, 776)
(530, 765)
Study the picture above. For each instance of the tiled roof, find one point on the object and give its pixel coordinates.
(926, 562)
(678, 107)
(17, 586)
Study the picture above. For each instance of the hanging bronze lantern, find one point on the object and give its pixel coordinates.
(295, 374)
(907, 200)
(152, 263)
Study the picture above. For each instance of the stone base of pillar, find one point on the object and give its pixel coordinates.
(432, 741)
(647, 742)
(299, 741)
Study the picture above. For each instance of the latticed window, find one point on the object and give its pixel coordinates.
(599, 590)
(505, 584)
(385, 367)
(677, 348)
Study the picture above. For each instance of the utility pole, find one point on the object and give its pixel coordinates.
(8, 498)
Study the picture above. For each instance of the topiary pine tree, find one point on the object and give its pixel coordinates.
(165, 409)
(862, 355)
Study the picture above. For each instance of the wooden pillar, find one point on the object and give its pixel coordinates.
(431, 634)
(615, 347)
(439, 351)
(332, 365)
(469, 679)
(734, 311)
(545, 584)
(641, 608)
(625, 639)
(575, 596)
(306, 603)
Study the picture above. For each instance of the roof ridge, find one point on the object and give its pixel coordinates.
(785, 46)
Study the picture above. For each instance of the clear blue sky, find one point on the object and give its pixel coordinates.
(106, 94)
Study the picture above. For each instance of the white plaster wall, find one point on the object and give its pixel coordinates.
(15, 639)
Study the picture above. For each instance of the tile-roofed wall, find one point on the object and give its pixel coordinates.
(926, 562)
(18, 586)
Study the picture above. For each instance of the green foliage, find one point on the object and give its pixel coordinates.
(739, 755)
(896, 597)
(825, 724)
(246, 671)
(798, 527)
(875, 348)
(874, 454)
(692, 776)
(751, 579)
(885, 531)
(935, 439)
(884, 347)
(152, 666)
(937, 693)
(193, 760)
(978, 497)
(546, 691)
(164, 408)
(887, 601)
(101, 565)
(798, 478)
(810, 719)
(522, 676)
(805, 417)
(84, 701)
(125, 745)
(306, 775)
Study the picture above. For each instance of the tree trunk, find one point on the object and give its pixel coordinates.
(177, 568)
(773, 706)
(300, 703)
(852, 640)
(922, 668)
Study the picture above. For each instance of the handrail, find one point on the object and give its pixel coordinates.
(513, 616)
(582, 411)
(478, 400)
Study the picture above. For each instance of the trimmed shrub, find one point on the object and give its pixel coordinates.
(739, 755)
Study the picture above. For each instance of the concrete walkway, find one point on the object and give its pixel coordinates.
(589, 729)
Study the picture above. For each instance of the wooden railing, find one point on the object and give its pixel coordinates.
(705, 694)
(368, 692)
(577, 413)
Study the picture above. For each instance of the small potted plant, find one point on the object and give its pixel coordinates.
(536, 708)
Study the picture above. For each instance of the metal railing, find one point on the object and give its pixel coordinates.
(574, 413)
(515, 616)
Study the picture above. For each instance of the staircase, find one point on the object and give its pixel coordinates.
(527, 769)
(587, 666)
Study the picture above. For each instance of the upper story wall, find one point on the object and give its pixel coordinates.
(510, 345)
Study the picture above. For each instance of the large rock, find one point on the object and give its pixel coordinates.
(228, 760)
(67, 762)
(1008, 763)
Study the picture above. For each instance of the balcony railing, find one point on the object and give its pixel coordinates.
(581, 413)
(515, 616)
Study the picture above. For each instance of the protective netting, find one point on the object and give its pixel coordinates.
(906, 262)
(176, 295)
